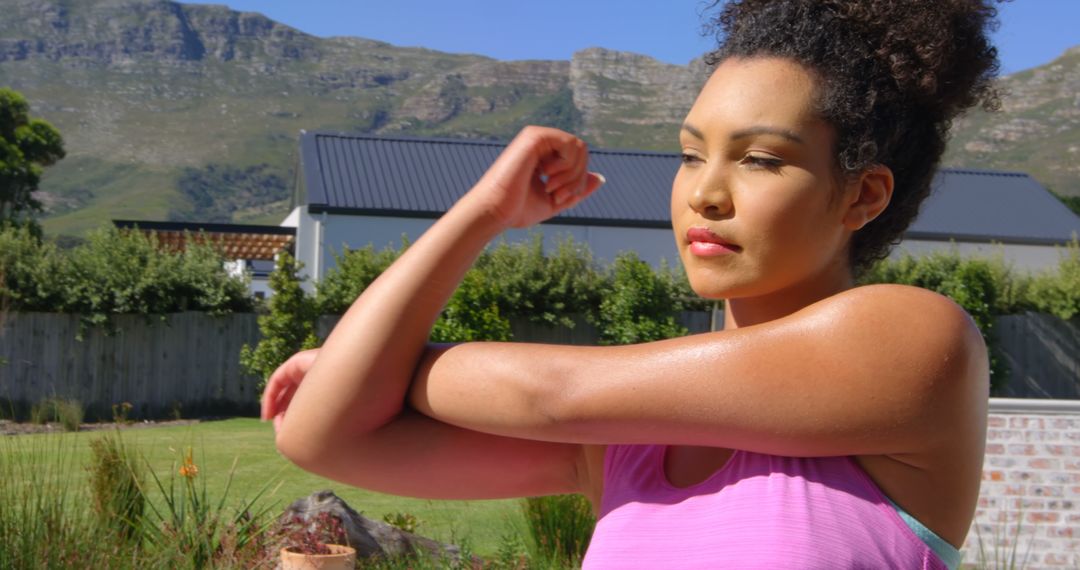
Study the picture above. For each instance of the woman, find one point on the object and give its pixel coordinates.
(827, 425)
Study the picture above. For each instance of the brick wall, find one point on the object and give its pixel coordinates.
(1029, 505)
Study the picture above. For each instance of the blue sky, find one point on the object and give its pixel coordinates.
(1033, 32)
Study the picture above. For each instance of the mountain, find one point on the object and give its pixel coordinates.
(182, 111)
(1037, 130)
(186, 111)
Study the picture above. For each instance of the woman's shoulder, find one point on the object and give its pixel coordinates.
(891, 293)
(891, 305)
(900, 316)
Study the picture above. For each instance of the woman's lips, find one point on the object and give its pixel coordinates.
(705, 243)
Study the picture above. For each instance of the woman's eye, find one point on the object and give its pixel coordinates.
(762, 161)
(689, 158)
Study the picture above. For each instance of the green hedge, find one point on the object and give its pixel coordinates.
(115, 271)
(628, 301)
(988, 287)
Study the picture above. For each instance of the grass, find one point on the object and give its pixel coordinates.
(1010, 543)
(35, 504)
(249, 442)
(561, 528)
(69, 413)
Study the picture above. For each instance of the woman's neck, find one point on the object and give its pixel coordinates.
(747, 311)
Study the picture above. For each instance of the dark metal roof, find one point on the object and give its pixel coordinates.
(423, 177)
(984, 205)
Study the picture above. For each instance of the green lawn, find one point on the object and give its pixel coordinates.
(249, 442)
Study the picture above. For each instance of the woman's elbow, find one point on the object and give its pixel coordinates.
(296, 447)
(311, 448)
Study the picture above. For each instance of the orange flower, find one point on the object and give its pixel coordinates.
(189, 469)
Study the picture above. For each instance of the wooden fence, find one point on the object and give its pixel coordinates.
(1043, 353)
(188, 362)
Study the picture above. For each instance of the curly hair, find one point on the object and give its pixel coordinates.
(892, 76)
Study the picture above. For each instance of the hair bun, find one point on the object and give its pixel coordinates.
(938, 52)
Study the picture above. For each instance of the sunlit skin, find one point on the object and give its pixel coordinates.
(758, 171)
(807, 365)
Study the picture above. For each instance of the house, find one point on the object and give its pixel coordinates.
(356, 190)
(248, 248)
(985, 213)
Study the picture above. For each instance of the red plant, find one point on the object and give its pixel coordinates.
(310, 536)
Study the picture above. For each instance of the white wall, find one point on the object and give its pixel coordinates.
(335, 232)
(341, 231)
(1030, 258)
(307, 243)
(260, 287)
(257, 286)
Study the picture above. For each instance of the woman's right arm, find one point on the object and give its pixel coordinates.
(417, 456)
(348, 419)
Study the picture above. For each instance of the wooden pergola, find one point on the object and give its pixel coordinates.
(235, 241)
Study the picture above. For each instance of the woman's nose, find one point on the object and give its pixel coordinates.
(711, 198)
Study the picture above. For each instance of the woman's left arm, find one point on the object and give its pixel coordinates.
(881, 369)
(358, 382)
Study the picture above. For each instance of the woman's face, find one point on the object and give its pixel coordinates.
(754, 204)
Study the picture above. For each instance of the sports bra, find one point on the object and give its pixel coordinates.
(757, 511)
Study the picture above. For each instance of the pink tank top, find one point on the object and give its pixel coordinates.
(757, 511)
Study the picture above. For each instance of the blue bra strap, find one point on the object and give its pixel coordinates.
(945, 551)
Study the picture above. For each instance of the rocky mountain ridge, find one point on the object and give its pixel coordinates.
(166, 106)
(1036, 131)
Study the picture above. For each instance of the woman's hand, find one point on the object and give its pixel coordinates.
(542, 172)
(283, 383)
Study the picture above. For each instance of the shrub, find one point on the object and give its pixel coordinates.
(67, 412)
(115, 271)
(70, 414)
(31, 270)
(48, 521)
(43, 519)
(194, 530)
(561, 527)
(511, 555)
(640, 304)
(1012, 288)
(543, 288)
(120, 413)
(509, 280)
(354, 270)
(472, 313)
(116, 486)
(405, 521)
(288, 327)
(1058, 292)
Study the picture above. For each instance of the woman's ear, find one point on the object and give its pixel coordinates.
(868, 196)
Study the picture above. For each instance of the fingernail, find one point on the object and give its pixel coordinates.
(603, 179)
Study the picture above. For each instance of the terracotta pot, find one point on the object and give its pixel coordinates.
(340, 558)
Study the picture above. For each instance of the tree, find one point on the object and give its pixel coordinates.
(27, 146)
(287, 328)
